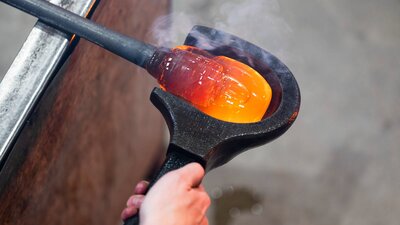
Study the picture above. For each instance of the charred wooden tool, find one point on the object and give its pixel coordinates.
(195, 137)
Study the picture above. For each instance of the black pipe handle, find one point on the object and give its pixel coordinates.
(175, 159)
(59, 18)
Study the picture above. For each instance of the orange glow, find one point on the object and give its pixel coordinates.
(219, 86)
(245, 94)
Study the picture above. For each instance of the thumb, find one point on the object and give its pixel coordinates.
(192, 173)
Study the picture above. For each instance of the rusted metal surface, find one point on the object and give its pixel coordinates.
(93, 134)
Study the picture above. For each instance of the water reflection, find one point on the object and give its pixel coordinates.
(232, 202)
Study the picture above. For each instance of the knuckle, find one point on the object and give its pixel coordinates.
(206, 200)
(172, 176)
(174, 179)
(179, 178)
(198, 168)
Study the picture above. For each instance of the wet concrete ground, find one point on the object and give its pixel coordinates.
(339, 163)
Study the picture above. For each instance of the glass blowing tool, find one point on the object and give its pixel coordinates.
(195, 136)
(220, 87)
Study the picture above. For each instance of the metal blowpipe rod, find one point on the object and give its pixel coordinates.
(128, 48)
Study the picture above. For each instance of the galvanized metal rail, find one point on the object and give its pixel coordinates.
(32, 69)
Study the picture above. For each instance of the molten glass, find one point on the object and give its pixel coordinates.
(217, 85)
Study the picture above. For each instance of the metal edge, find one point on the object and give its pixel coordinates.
(31, 71)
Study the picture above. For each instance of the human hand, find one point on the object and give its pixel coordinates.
(135, 201)
(176, 199)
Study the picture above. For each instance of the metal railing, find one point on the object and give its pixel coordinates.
(37, 61)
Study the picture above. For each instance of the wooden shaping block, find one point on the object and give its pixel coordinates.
(91, 137)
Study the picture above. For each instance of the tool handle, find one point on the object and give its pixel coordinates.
(57, 17)
(174, 160)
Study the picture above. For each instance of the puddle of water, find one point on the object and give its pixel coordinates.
(232, 202)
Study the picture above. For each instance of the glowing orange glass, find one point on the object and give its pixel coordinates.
(217, 85)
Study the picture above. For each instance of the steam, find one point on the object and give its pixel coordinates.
(168, 30)
(257, 21)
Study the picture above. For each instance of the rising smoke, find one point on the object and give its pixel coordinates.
(258, 21)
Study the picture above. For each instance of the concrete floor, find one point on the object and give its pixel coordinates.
(15, 27)
(339, 163)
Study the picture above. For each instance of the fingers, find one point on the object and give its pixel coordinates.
(141, 187)
(201, 188)
(204, 221)
(192, 173)
(135, 201)
(133, 204)
(128, 212)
